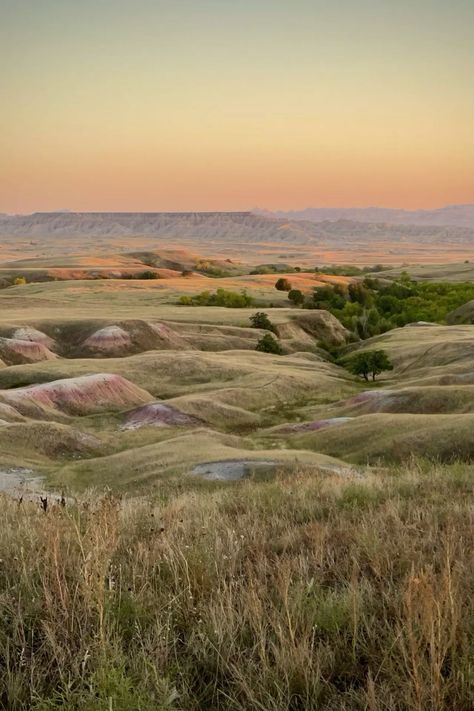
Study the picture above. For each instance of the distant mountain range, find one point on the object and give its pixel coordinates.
(312, 226)
(451, 215)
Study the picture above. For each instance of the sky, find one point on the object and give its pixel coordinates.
(231, 104)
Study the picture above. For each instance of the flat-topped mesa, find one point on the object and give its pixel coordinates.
(82, 395)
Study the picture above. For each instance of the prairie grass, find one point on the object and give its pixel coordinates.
(306, 592)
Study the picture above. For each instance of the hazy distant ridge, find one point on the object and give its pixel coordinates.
(451, 215)
(247, 227)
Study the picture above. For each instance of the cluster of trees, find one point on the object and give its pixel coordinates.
(220, 297)
(349, 269)
(370, 307)
(148, 274)
(275, 269)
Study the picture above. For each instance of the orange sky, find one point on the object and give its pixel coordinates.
(218, 105)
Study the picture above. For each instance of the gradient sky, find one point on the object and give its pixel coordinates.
(230, 104)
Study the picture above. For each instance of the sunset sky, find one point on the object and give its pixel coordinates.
(232, 104)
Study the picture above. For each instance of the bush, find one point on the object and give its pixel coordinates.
(148, 275)
(283, 284)
(19, 281)
(261, 320)
(296, 297)
(221, 297)
(268, 344)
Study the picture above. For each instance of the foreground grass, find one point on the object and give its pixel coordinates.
(308, 592)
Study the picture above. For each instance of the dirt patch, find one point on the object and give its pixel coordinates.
(157, 414)
(24, 485)
(231, 469)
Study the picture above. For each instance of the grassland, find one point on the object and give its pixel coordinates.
(336, 574)
(306, 592)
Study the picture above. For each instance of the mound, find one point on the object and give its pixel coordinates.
(395, 438)
(157, 414)
(168, 338)
(295, 338)
(16, 352)
(28, 333)
(322, 325)
(218, 414)
(428, 400)
(50, 439)
(132, 336)
(426, 350)
(83, 395)
(110, 339)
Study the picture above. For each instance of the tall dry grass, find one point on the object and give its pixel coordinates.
(308, 592)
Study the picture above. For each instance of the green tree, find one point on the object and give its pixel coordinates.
(329, 297)
(359, 294)
(268, 344)
(261, 320)
(296, 297)
(369, 364)
(283, 284)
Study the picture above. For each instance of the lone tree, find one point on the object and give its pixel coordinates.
(369, 363)
(296, 297)
(261, 320)
(268, 344)
(283, 284)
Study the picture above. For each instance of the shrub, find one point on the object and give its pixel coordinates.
(283, 284)
(148, 275)
(268, 344)
(19, 281)
(296, 297)
(221, 297)
(261, 320)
